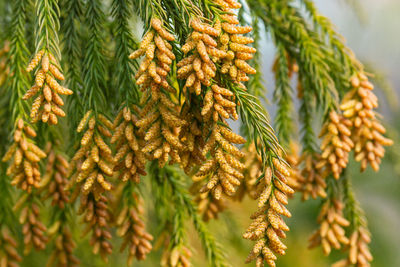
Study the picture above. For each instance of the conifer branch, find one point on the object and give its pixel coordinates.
(283, 97)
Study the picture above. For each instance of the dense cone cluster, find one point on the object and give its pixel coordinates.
(313, 182)
(223, 169)
(176, 257)
(359, 254)
(159, 118)
(133, 231)
(207, 205)
(358, 106)
(268, 227)
(330, 233)
(192, 137)
(336, 144)
(33, 229)
(62, 254)
(201, 51)
(9, 256)
(46, 106)
(129, 158)
(219, 104)
(25, 156)
(235, 45)
(295, 179)
(55, 179)
(95, 154)
(4, 67)
(96, 215)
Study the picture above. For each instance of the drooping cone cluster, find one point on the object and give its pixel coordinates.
(97, 218)
(192, 137)
(176, 257)
(207, 205)
(235, 45)
(55, 179)
(33, 229)
(9, 256)
(336, 144)
(4, 68)
(64, 245)
(47, 105)
(359, 254)
(268, 227)
(367, 134)
(94, 154)
(223, 170)
(129, 158)
(159, 118)
(313, 183)
(330, 233)
(133, 231)
(25, 156)
(199, 68)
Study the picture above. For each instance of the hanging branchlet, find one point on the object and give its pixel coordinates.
(33, 229)
(367, 132)
(192, 136)
(24, 156)
(331, 233)
(129, 159)
(64, 245)
(9, 248)
(94, 160)
(96, 216)
(207, 205)
(47, 105)
(359, 236)
(201, 53)
(223, 171)
(336, 144)
(159, 117)
(132, 228)
(55, 178)
(283, 68)
(313, 183)
(268, 227)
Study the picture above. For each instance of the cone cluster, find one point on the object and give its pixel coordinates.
(159, 119)
(33, 229)
(94, 158)
(368, 133)
(207, 205)
(96, 216)
(201, 52)
(47, 105)
(9, 256)
(330, 233)
(129, 158)
(336, 145)
(313, 182)
(176, 257)
(62, 254)
(55, 178)
(25, 156)
(133, 231)
(235, 45)
(268, 227)
(223, 170)
(359, 254)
